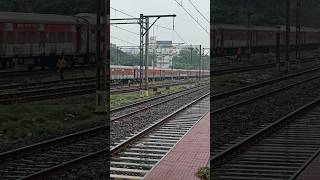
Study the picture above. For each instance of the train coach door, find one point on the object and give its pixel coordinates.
(1, 44)
(42, 44)
(78, 39)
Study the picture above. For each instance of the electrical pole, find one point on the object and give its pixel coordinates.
(278, 51)
(298, 31)
(117, 56)
(248, 30)
(200, 54)
(141, 49)
(202, 62)
(153, 65)
(101, 74)
(143, 32)
(146, 80)
(144, 92)
(288, 35)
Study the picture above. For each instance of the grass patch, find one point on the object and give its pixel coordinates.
(203, 173)
(229, 81)
(25, 120)
(123, 99)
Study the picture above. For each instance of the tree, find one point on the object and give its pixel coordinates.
(184, 60)
(118, 57)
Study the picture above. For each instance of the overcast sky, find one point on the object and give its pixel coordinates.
(189, 30)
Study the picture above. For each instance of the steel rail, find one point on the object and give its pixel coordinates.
(50, 171)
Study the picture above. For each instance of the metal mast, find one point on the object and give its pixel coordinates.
(298, 31)
(101, 58)
(288, 35)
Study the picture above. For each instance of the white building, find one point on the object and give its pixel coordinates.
(162, 52)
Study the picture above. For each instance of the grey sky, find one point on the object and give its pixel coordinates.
(189, 30)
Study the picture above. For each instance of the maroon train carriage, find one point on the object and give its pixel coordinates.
(39, 39)
(121, 74)
(226, 38)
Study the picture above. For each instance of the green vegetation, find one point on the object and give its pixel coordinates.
(123, 99)
(227, 82)
(203, 173)
(185, 61)
(28, 120)
(118, 57)
(271, 12)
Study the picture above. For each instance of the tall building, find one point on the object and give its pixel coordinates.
(162, 52)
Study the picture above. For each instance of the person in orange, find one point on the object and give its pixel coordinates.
(61, 66)
(239, 54)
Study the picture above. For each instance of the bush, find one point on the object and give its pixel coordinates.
(203, 173)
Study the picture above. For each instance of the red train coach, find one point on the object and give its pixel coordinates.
(29, 35)
(226, 38)
(42, 38)
(121, 74)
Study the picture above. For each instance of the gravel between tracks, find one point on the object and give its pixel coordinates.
(147, 104)
(218, 104)
(230, 125)
(141, 120)
(99, 168)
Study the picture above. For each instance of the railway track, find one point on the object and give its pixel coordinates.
(227, 102)
(238, 91)
(10, 74)
(253, 67)
(127, 110)
(65, 91)
(39, 160)
(133, 158)
(47, 84)
(279, 151)
(20, 163)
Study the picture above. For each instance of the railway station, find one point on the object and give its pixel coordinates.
(149, 89)
(104, 89)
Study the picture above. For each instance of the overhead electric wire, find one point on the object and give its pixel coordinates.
(191, 16)
(198, 11)
(122, 12)
(125, 29)
(122, 40)
(163, 27)
(180, 36)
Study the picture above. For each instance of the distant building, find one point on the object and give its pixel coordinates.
(162, 52)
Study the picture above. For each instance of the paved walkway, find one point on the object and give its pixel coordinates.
(184, 160)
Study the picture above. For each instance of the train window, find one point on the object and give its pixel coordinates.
(69, 37)
(32, 37)
(21, 37)
(62, 37)
(52, 37)
(11, 38)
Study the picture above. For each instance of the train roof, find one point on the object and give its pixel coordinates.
(19, 17)
(263, 28)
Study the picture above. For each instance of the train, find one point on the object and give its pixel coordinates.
(122, 74)
(39, 39)
(227, 38)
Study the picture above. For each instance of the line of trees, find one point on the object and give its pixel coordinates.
(187, 61)
(182, 61)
